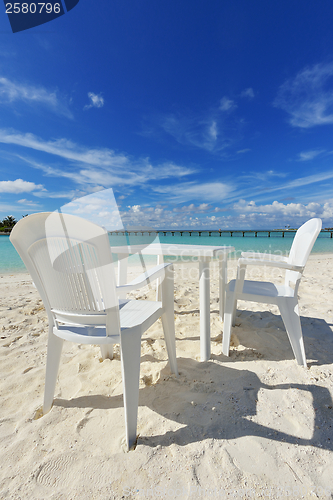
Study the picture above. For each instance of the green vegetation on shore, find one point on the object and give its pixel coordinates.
(7, 224)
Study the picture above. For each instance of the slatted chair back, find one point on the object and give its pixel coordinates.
(71, 265)
(302, 245)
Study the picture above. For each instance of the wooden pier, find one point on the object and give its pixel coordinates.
(251, 233)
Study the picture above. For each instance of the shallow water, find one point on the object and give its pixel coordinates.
(274, 244)
(9, 258)
(10, 261)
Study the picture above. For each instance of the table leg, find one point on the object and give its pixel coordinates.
(204, 291)
(222, 283)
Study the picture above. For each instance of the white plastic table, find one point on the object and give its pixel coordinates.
(204, 253)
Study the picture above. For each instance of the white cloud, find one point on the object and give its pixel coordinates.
(308, 98)
(248, 93)
(65, 149)
(169, 169)
(19, 186)
(11, 91)
(265, 183)
(227, 104)
(328, 211)
(309, 179)
(100, 208)
(213, 131)
(309, 155)
(210, 191)
(264, 176)
(28, 203)
(97, 101)
(69, 195)
(94, 166)
(203, 207)
(205, 132)
(242, 215)
(276, 208)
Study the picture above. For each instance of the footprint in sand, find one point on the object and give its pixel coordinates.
(56, 472)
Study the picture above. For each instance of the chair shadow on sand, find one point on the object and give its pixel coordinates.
(208, 397)
(263, 330)
(220, 405)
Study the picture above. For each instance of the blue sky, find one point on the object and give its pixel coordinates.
(197, 114)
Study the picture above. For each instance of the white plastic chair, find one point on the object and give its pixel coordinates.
(284, 296)
(70, 262)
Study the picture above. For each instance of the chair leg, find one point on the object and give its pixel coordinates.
(130, 349)
(228, 316)
(290, 315)
(234, 310)
(54, 348)
(160, 260)
(107, 351)
(241, 270)
(168, 318)
(168, 323)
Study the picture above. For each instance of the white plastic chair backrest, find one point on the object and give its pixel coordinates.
(304, 240)
(70, 262)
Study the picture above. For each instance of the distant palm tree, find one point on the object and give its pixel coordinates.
(9, 221)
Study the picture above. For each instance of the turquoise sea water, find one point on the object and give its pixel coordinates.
(10, 261)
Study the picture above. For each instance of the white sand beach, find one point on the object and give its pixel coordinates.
(254, 425)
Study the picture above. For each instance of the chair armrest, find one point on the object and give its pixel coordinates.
(241, 269)
(272, 263)
(264, 256)
(144, 278)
